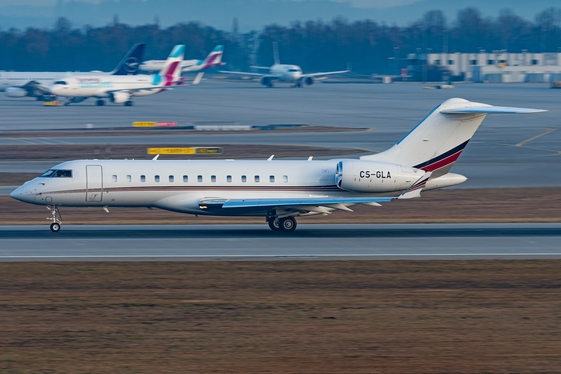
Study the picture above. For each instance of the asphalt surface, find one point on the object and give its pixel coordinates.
(257, 242)
(507, 151)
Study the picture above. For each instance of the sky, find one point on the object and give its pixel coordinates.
(251, 14)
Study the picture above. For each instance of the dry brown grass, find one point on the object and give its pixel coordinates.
(281, 317)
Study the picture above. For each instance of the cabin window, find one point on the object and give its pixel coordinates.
(490, 62)
(185, 178)
(129, 178)
(200, 178)
(143, 178)
(156, 178)
(256, 179)
(229, 178)
(244, 178)
(171, 178)
(114, 177)
(285, 178)
(473, 62)
(450, 62)
(272, 179)
(213, 178)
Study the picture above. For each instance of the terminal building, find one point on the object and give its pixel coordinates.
(497, 66)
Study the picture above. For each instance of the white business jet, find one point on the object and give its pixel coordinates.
(121, 89)
(36, 84)
(283, 73)
(277, 190)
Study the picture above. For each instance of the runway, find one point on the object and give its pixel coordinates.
(254, 242)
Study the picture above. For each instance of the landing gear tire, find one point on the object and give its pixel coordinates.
(274, 224)
(287, 224)
(129, 103)
(55, 227)
(100, 102)
(55, 218)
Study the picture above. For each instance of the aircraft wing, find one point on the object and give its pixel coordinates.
(326, 73)
(291, 202)
(242, 73)
(34, 87)
(136, 89)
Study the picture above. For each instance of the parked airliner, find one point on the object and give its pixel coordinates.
(213, 59)
(121, 89)
(284, 73)
(277, 190)
(36, 84)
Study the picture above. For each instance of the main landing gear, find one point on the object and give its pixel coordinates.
(100, 102)
(286, 224)
(56, 221)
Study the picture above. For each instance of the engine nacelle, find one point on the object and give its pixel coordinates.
(15, 92)
(372, 176)
(309, 81)
(119, 97)
(266, 81)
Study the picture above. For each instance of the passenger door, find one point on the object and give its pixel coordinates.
(94, 183)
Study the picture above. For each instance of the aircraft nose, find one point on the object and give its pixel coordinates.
(17, 194)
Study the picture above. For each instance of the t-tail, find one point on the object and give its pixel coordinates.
(130, 64)
(213, 59)
(437, 141)
(171, 71)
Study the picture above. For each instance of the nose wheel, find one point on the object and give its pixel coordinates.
(55, 218)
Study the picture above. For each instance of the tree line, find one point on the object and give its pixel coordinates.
(370, 46)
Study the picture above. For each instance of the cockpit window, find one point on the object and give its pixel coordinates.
(54, 173)
(61, 82)
(293, 70)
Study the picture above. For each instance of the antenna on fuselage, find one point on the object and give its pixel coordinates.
(276, 52)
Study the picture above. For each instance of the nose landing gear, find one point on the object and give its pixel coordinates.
(56, 221)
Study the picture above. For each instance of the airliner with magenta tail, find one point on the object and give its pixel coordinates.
(277, 190)
(120, 89)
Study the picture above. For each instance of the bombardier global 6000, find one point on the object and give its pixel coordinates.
(277, 190)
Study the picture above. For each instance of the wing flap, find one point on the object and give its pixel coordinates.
(263, 203)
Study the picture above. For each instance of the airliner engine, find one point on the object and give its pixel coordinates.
(309, 81)
(119, 97)
(371, 176)
(265, 81)
(15, 92)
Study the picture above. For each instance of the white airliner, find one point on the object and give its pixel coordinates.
(120, 89)
(213, 59)
(36, 84)
(278, 190)
(284, 73)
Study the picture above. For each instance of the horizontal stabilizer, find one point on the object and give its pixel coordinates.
(491, 110)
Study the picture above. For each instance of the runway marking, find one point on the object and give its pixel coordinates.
(293, 256)
(547, 131)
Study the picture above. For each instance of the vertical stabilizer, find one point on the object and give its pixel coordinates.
(171, 71)
(130, 64)
(276, 53)
(439, 139)
(213, 59)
